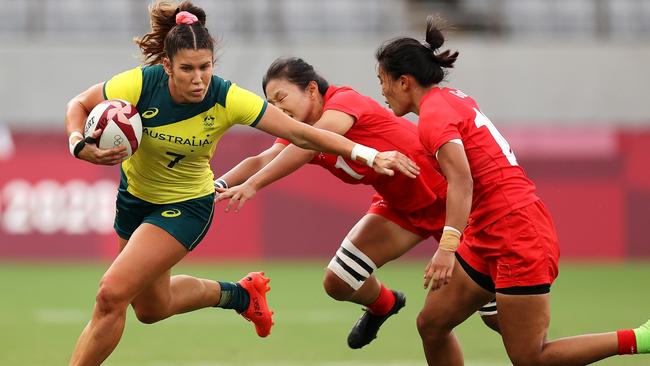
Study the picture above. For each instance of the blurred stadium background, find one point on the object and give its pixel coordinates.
(564, 80)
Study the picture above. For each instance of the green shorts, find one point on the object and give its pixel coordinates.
(187, 221)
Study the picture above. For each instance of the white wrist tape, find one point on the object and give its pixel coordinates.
(366, 153)
(451, 228)
(72, 145)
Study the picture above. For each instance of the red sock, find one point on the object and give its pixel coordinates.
(626, 342)
(384, 302)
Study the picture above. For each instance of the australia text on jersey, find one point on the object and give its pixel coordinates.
(176, 139)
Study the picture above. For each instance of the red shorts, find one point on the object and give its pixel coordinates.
(518, 250)
(426, 222)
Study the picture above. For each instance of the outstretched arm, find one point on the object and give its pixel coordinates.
(278, 124)
(293, 157)
(251, 165)
(285, 163)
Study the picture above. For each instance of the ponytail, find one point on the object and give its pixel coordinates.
(171, 32)
(407, 56)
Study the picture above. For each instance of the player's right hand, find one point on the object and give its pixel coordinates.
(439, 270)
(95, 155)
(238, 196)
(386, 162)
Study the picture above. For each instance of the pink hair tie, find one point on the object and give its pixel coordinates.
(185, 17)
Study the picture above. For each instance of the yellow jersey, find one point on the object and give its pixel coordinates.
(172, 163)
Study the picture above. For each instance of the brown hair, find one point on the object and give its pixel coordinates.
(166, 37)
(408, 56)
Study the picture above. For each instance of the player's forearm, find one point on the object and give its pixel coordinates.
(242, 171)
(284, 164)
(321, 140)
(307, 137)
(459, 202)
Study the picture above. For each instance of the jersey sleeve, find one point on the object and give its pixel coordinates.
(244, 107)
(448, 131)
(126, 86)
(282, 141)
(348, 102)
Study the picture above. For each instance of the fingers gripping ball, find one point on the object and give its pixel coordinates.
(120, 124)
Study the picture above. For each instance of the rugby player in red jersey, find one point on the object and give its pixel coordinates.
(404, 211)
(509, 245)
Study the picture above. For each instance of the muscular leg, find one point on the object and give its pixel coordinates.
(382, 241)
(443, 310)
(170, 295)
(147, 258)
(524, 321)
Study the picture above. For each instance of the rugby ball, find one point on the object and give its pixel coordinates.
(120, 124)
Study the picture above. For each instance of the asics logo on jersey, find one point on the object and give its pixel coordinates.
(171, 213)
(150, 113)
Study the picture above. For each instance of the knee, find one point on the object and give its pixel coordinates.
(111, 296)
(336, 288)
(432, 325)
(524, 360)
(147, 315)
(527, 356)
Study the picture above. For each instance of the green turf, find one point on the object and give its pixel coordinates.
(43, 307)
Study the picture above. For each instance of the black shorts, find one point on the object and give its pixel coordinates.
(187, 221)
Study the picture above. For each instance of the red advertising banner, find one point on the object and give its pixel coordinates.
(595, 182)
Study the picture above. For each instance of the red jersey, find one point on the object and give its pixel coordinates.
(500, 184)
(377, 127)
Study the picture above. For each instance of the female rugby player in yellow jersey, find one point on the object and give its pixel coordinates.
(165, 200)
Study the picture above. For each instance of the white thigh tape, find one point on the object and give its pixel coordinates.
(351, 265)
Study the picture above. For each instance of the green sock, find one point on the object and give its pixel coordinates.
(642, 334)
(233, 296)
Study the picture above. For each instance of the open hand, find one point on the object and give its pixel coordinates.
(386, 162)
(438, 271)
(238, 196)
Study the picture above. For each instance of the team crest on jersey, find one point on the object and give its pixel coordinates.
(208, 122)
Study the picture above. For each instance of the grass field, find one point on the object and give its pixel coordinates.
(43, 307)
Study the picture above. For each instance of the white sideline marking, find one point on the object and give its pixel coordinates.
(61, 316)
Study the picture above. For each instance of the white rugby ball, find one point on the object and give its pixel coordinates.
(120, 124)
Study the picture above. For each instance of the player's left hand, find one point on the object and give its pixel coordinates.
(387, 161)
(439, 269)
(238, 196)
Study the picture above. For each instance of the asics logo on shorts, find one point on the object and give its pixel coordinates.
(171, 213)
(150, 113)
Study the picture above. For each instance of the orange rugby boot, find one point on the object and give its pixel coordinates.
(258, 311)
